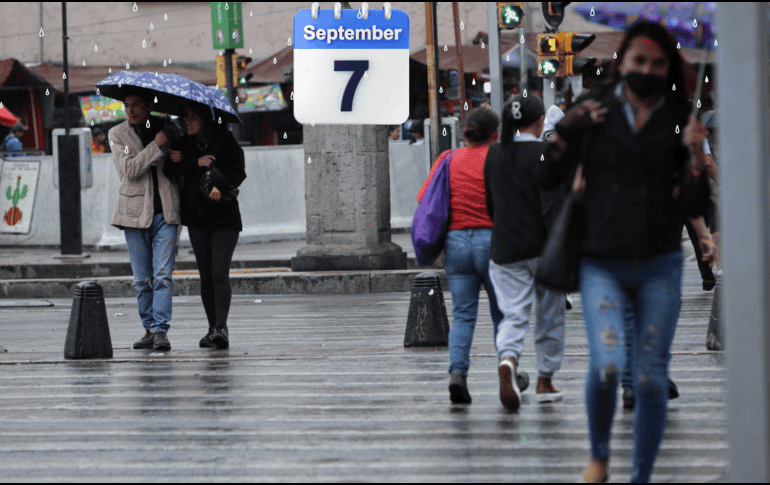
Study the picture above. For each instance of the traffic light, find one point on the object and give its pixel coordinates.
(243, 77)
(510, 15)
(548, 55)
(572, 44)
(553, 13)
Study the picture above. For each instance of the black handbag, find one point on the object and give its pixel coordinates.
(214, 178)
(558, 268)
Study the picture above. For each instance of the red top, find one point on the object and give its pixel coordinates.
(467, 197)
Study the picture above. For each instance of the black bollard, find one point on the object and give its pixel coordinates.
(427, 324)
(715, 335)
(88, 335)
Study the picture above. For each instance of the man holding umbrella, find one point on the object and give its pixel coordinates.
(148, 210)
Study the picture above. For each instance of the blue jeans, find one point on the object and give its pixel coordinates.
(653, 289)
(466, 262)
(152, 252)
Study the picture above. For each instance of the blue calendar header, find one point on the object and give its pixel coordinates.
(351, 32)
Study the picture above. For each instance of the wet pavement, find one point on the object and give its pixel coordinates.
(320, 388)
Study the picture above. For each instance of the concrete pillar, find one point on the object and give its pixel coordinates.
(744, 175)
(347, 198)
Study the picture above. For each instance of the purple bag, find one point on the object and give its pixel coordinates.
(431, 220)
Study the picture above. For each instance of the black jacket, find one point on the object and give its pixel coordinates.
(630, 207)
(198, 210)
(519, 210)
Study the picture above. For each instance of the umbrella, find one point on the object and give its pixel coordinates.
(172, 93)
(691, 23)
(7, 118)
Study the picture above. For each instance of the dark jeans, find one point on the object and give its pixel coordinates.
(214, 253)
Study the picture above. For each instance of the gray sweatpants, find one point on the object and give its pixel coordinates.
(516, 290)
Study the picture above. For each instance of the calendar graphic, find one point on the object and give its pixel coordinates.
(352, 70)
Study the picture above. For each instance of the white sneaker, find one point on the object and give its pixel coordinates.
(510, 395)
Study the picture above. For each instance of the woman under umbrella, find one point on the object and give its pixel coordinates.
(209, 165)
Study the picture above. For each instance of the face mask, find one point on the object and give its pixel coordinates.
(645, 85)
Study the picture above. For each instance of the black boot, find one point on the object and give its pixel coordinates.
(145, 342)
(220, 337)
(206, 342)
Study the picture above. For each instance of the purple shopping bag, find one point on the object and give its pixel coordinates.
(431, 220)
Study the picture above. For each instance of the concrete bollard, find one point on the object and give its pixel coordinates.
(715, 334)
(88, 335)
(427, 324)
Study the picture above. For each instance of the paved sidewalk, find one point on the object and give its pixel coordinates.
(320, 388)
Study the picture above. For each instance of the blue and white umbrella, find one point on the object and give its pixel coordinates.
(171, 93)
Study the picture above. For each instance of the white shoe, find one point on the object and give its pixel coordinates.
(510, 395)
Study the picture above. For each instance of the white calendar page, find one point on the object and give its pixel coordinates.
(351, 71)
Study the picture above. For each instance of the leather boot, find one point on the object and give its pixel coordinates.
(220, 337)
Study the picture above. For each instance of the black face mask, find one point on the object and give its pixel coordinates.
(645, 85)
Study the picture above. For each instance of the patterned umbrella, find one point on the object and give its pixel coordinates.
(691, 23)
(172, 93)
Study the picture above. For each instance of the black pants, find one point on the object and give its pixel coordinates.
(705, 270)
(214, 253)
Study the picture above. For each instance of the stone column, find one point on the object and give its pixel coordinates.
(347, 199)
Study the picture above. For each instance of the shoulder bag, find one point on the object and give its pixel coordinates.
(431, 220)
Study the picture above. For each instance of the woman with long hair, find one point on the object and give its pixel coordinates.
(641, 163)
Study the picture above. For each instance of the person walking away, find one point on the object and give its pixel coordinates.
(467, 245)
(518, 236)
(213, 220)
(147, 211)
(641, 177)
(12, 142)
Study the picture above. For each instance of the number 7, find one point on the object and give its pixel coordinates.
(358, 68)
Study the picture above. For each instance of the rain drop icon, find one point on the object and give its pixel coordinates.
(165, 63)
(522, 40)
(227, 7)
(598, 71)
(678, 45)
(169, 61)
(135, 9)
(525, 93)
(507, 58)
(127, 66)
(152, 27)
(236, 100)
(444, 132)
(312, 123)
(165, 16)
(364, 73)
(41, 32)
(552, 86)
(715, 43)
(473, 82)
(110, 70)
(156, 100)
(482, 44)
(614, 55)
(542, 158)
(289, 40)
(466, 106)
(359, 14)
(95, 49)
(125, 150)
(440, 90)
(220, 120)
(698, 103)
(518, 133)
(249, 50)
(677, 128)
(148, 123)
(308, 159)
(445, 48)
(64, 75)
(144, 43)
(592, 12)
(695, 24)
(251, 14)
(284, 135)
(673, 87)
(84, 63)
(156, 73)
(462, 26)
(110, 142)
(97, 92)
(275, 61)
(707, 79)
(291, 96)
(120, 83)
(1, 104)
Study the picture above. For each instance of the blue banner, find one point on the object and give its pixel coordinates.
(351, 31)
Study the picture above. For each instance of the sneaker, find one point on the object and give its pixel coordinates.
(546, 392)
(206, 342)
(628, 397)
(709, 284)
(160, 341)
(145, 342)
(220, 338)
(510, 395)
(458, 388)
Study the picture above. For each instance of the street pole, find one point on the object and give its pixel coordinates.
(231, 93)
(70, 224)
(433, 68)
(495, 59)
(460, 69)
(549, 93)
(523, 50)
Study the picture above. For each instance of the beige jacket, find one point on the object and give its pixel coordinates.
(135, 198)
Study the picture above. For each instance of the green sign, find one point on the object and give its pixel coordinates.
(227, 25)
(549, 67)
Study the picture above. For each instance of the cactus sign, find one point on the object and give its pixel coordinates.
(17, 195)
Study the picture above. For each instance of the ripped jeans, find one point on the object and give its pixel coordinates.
(653, 288)
(152, 252)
